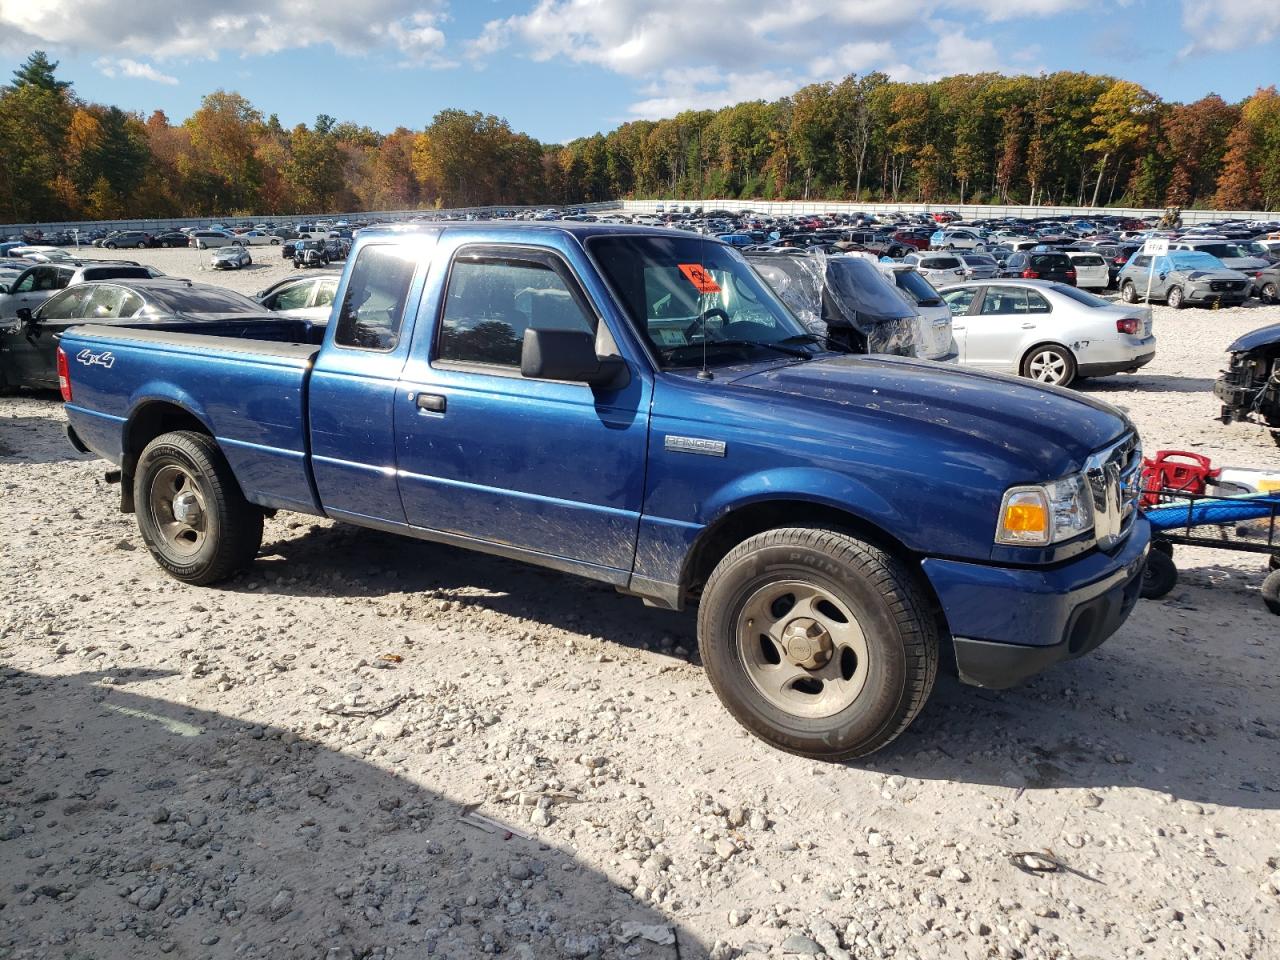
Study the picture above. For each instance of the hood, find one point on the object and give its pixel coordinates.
(1223, 274)
(1042, 426)
(1262, 337)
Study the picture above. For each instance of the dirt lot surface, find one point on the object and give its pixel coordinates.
(289, 766)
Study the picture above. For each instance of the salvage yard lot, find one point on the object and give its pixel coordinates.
(286, 766)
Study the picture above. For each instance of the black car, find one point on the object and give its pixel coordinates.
(128, 239)
(170, 238)
(28, 345)
(310, 253)
(1036, 265)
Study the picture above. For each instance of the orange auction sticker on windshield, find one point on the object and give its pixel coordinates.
(700, 279)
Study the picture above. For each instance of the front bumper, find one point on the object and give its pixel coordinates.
(1010, 623)
(1197, 294)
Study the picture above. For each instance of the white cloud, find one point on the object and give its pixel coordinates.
(125, 67)
(1228, 25)
(173, 29)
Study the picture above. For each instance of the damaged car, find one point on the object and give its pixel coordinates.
(1249, 387)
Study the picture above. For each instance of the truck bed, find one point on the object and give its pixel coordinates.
(245, 380)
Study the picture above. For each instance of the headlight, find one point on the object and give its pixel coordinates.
(1036, 516)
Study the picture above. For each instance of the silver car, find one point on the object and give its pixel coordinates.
(1245, 257)
(1182, 277)
(230, 258)
(979, 266)
(937, 268)
(1046, 331)
(309, 297)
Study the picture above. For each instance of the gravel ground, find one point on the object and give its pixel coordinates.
(290, 765)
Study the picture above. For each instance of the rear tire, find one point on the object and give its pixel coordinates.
(1159, 576)
(191, 512)
(855, 610)
(1175, 298)
(1050, 363)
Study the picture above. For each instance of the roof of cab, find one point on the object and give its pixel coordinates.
(569, 227)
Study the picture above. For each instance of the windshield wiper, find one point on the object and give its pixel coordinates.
(819, 338)
(670, 352)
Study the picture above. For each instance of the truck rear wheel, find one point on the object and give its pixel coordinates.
(191, 513)
(817, 642)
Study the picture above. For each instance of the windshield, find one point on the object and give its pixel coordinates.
(687, 294)
(1194, 260)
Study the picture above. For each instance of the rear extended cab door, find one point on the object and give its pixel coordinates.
(352, 389)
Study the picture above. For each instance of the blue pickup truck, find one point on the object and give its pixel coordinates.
(634, 405)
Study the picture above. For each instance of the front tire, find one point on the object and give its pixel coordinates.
(1270, 293)
(817, 642)
(1050, 363)
(1175, 299)
(1128, 292)
(1271, 592)
(191, 512)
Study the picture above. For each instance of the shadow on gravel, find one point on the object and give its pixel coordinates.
(347, 561)
(1147, 383)
(133, 826)
(1121, 727)
(35, 439)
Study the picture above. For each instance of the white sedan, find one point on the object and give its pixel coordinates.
(256, 238)
(1048, 332)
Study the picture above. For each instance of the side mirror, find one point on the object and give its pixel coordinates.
(27, 323)
(569, 355)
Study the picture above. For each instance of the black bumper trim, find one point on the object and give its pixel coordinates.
(73, 438)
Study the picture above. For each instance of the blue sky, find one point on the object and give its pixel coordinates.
(558, 69)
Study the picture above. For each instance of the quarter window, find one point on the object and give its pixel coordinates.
(493, 299)
(373, 306)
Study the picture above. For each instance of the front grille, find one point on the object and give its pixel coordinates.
(1115, 483)
(1226, 286)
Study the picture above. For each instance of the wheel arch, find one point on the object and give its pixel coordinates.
(151, 418)
(1038, 344)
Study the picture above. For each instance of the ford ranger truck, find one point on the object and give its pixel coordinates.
(635, 406)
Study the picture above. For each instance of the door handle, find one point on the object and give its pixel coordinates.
(1028, 326)
(431, 402)
(956, 326)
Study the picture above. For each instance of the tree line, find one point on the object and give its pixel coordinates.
(1061, 138)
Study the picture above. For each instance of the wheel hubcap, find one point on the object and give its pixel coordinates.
(1048, 367)
(178, 510)
(802, 648)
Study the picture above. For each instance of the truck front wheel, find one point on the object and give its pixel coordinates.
(191, 512)
(817, 642)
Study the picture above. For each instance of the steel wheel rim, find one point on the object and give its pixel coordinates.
(1048, 366)
(178, 510)
(802, 648)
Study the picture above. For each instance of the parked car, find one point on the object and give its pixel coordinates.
(1091, 269)
(1266, 284)
(1038, 265)
(256, 238)
(1233, 256)
(230, 258)
(212, 239)
(39, 282)
(1046, 331)
(918, 291)
(1249, 387)
(1182, 277)
(310, 253)
(28, 343)
(638, 408)
(979, 266)
(171, 238)
(846, 299)
(937, 268)
(958, 239)
(309, 297)
(135, 239)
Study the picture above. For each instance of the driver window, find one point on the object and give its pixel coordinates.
(109, 301)
(292, 297)
(27, 283)
(492, 300)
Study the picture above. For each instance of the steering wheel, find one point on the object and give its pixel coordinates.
(699, 323)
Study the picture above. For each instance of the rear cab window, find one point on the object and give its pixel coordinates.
(373, 304)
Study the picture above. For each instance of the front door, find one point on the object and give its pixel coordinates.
(546, 467)
(1002, 321)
